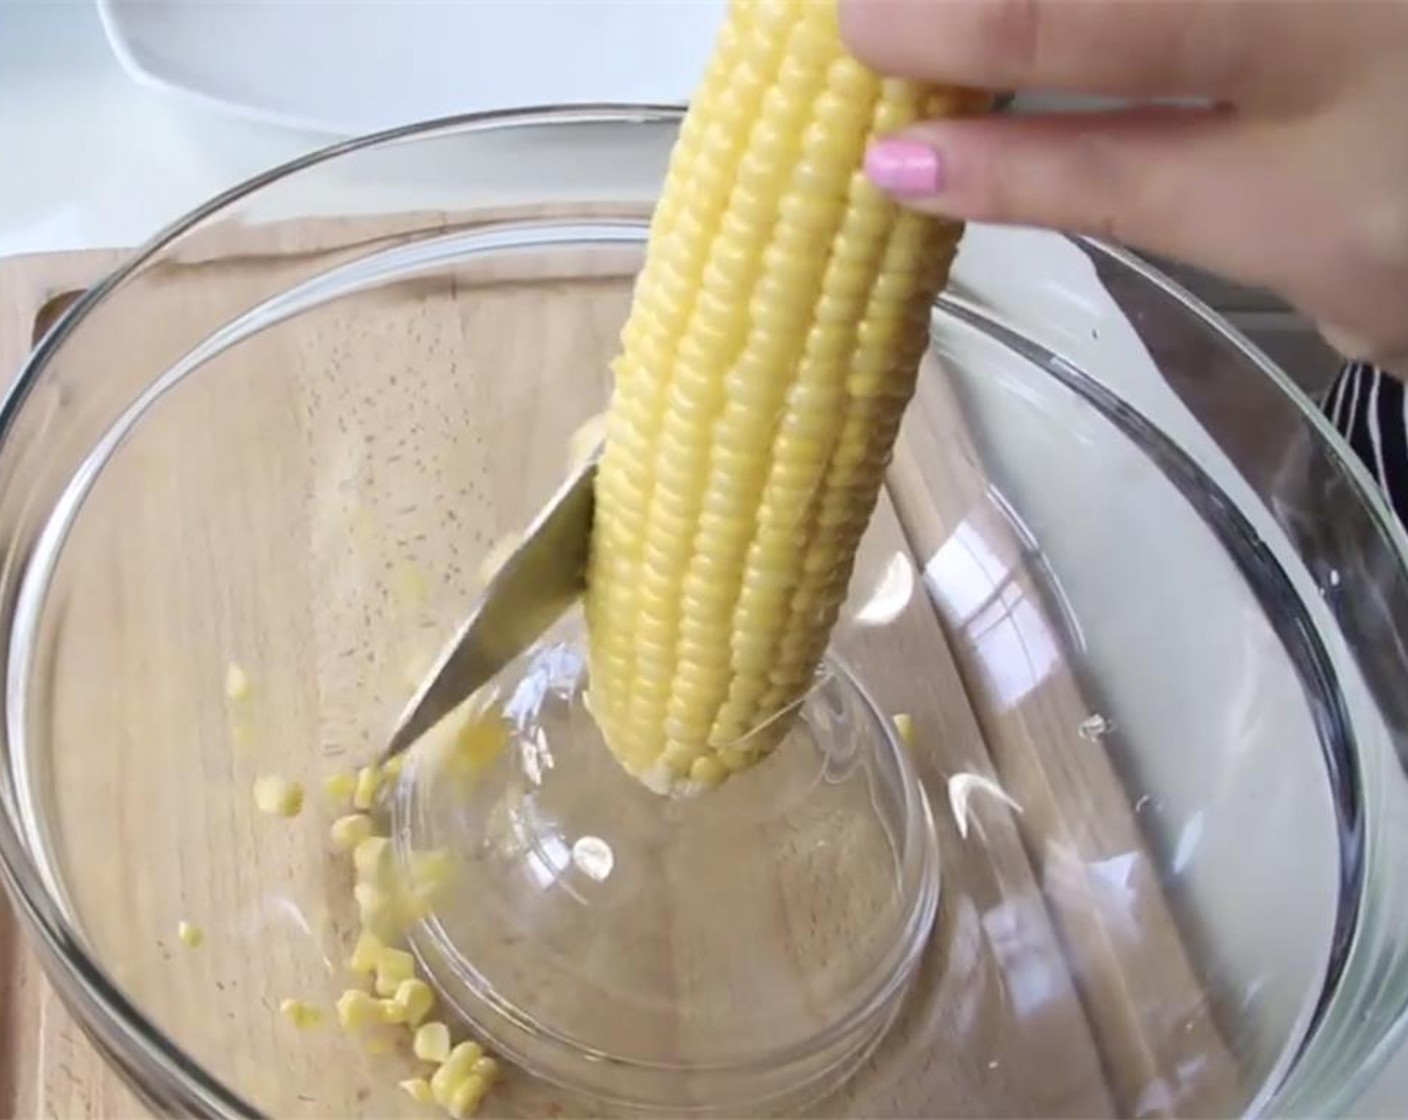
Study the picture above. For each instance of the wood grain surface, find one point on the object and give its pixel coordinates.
(353, 467)
(47, 1066)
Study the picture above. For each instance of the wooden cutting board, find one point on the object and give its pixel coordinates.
(1034, 999)
(47, 1066)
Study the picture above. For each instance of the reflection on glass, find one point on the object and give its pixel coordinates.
(964, 574)
(961, 788)
(891, 594)
(1095, 727)
(980, 597)
(593, 857)
(548, 858)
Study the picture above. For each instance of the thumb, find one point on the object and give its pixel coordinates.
(1153, 179)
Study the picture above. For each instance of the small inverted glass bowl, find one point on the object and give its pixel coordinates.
(1143, 609)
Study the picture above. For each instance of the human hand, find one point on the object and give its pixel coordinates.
(1295, 177)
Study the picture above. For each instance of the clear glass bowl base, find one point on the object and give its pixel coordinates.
(737, 950)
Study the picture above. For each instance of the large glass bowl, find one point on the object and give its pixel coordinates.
(1142, 607)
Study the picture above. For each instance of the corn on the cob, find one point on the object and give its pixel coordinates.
(770, 350)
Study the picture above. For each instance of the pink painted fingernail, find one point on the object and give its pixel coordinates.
(904, 167)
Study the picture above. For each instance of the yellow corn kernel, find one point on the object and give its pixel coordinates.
(416, 904)
(392, 1013)
(366, 953)
(431, 868)
(443, 1083)
(771, 347)
(190, 935)
(277, 796)
(375, 909)
(415, 999)
(301, 1014)
(364, 792)
(465, 1098)
(418, 1089)
(706, 772)
(431, 1042)
(378, 1043)
(467, 741)
(236, 682)
(349, 831)
(487, 1068)
(478, 742)
(357, 1009)
(904, 728)
(339, 787)
(393, 967)
(496, 557)
(372, 859)
(391, 768)
(460, 1061)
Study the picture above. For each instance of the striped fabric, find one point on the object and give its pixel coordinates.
(1366, 406)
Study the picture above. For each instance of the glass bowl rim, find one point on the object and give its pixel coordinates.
(154, 1066)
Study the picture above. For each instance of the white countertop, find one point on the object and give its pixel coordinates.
(89, 158)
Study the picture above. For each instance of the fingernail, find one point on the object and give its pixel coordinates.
(904, 167)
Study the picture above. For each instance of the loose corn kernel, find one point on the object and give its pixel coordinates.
(415, 998)
(496, 557)
(431, 1042)
(418, 1089)
(277, 796)
(190, 935)
(366, 953)
(339, 787)
(391, 768)
(301, 1014)
(416, 904)
(431, 868)
(236, 682)
(461, 1059)
(393, 966)
(443, 1083)
(392, 1013)
(478, 742)
(771, 347)
(375, 909)
(465, 1097)
(364, 793)
(349, 831)
(904, 728)
(356, 1009)
(371, 857)
(487, 1068)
